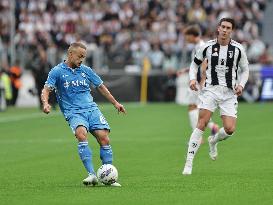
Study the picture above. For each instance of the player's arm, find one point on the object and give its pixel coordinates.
(244, 77)
(98, 83)
(243, 64)
(44, 98)
(204, 66)
(197, 61)
(193, 73)
(106, 93)
(49, 86)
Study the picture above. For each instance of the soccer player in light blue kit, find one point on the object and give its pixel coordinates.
(71, 81)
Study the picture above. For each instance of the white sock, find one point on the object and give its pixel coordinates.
(221, 135)
(194, 143)
(193, 116)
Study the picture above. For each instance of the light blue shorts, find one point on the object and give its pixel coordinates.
(92, 120)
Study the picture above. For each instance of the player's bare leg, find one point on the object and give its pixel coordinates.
(229, 124)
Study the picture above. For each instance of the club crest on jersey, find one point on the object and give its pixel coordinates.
(83, 75)
(230, 54)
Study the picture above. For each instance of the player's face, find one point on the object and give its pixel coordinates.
(77, 56)
(225, 30)
(190, 38)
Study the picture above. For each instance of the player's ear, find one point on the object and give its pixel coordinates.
(218, 30)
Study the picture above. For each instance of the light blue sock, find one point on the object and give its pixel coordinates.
(106, 154)
(86, 156)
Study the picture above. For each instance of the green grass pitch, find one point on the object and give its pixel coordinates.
(39, 163)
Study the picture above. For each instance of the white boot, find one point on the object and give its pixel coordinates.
(187, 168)
(90, 180)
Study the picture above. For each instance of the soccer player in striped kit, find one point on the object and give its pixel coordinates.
(192, 35)
(225, 56)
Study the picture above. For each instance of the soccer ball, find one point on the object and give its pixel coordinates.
(107, 174)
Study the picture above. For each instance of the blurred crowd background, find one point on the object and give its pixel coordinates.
(119, 33)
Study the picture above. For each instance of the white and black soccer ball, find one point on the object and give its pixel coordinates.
(107, 174)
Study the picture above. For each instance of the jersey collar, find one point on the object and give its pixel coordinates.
(65, 66)
(225, 45)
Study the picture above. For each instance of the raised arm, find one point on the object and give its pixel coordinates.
(106, 93)
(44, 97)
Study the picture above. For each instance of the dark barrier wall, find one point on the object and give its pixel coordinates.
(126, 87)
(161, 88)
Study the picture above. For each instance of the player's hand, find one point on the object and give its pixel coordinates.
(120, 108)
(239, 90)
(46, 108)
(193, 85)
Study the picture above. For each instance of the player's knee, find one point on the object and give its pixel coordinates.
(230, 130)
(104, 140)
(81, 134)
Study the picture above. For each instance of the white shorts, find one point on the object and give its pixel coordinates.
(212, 97)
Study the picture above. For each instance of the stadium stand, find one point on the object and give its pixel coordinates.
(122, 32)
(119, 34)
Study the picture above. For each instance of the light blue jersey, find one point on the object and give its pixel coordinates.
(72, 88)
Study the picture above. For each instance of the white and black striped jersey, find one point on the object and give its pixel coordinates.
(223, 63)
